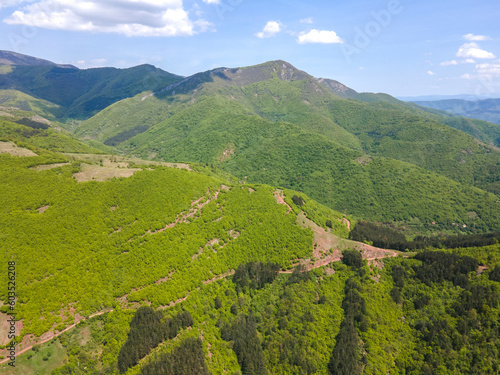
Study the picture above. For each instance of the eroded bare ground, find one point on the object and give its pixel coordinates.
(44, 167)
(95, 173)
(278, 194)
(115, 161)
(327, 247)
(14, 150)
(31, 340)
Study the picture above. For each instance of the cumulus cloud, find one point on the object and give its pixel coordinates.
(271, 29)
(466, 76)
(431, 73)
(319, 36)
(128, 17)
(448, 63)
(212, 1)
(488, 70)
(307, 20)
(476, 38)
(472, 50)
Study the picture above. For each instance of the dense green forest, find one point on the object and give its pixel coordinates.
(252, 251)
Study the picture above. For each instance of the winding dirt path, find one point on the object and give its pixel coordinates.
(55, 335)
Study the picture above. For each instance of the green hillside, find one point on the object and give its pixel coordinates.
(83, 92)
(121, 240)
(130, 266)
(248, 119)
(220, 131)
(17, 99)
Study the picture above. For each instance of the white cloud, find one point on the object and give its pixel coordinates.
(95, 63)
(469, 61)
(307, 20)
(448, 63)
(128, 17)
(431, 73)
(476, 38)
(319, 36)
(271, 29)
(212, 1)
(11, 3)
(466, 76)
(472, 50)
(488, 70)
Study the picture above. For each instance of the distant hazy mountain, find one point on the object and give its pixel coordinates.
(487, 109)
(441, 97)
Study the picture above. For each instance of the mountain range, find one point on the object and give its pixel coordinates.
(252, 220)
(486, 109)
(364, 154)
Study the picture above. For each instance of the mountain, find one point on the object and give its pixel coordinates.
(274, 124)
(80, 92)
(14, 58)
(425, 98)
(487, 109)
(122, 265)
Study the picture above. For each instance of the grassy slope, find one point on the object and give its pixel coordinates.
(297, 331)
(18, 99)
(282, 154)
(83, 93)
(109, 251)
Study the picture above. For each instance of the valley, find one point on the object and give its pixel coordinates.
(251, 220)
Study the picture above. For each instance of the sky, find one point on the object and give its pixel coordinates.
(399, 47)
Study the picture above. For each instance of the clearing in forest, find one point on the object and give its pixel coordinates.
(95, 173)
(327, 247)
(14, 150)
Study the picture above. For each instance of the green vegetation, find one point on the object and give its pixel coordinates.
(82, 93)
(206, 269)
(387, 237)
(188, 358)
(147, 330)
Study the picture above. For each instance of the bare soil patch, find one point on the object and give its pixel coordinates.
(45, 167)
(363, 160)
(14, 150)
(115, 161)
(327, 247)
(41, 210)
(278, 194)
(94, 173)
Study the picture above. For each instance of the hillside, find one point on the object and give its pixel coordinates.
(277, 125)
(14, 58)
(485, 109)
(80, 92)
(223, 239)
(181, 266)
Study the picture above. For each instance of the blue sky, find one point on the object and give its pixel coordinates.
(401, 47)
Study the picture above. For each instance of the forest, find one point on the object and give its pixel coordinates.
(208, 268)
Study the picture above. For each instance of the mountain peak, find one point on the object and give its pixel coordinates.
(338, 88)
(14, 58)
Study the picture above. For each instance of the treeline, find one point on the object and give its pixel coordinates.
(439, 266)
(346, 357)
(147, 330)
(385, 237)
(246, 344)
(459, 335)
(255, 275)
(186, 359)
